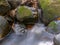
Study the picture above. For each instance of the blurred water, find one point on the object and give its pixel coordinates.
(36, 36)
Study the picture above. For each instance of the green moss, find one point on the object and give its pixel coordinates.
(51, 8)
(53, 25)
(24, 12)
(44, 3)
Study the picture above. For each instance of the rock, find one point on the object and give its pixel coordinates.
(9, 19)
(25, 15)
(14, 3)
(4, 27)
(54, 27)
(4, 7)
(51, 9)
(24, 12)
(57, 40)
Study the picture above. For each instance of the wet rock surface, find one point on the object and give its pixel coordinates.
(54, 27)
(4, 27)
(4, 6)
(57, 40)
(26, 15)
(14, 3)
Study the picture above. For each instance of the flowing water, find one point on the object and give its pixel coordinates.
(36, 36)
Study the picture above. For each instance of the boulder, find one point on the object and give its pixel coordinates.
(25, 15)
(4, 27)
(57, 40)
(54, 27)
(14, 3)
(51, 9)
(4, 7)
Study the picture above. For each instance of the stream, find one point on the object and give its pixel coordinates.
(36, 36)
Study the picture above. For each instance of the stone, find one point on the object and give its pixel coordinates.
(54, 27)
(51, 9)
(4, 7)
(57, 40)
(14, 3)
(4, 27)
(25, 15)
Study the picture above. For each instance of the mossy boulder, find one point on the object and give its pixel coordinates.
(24, 12)
(4, 27)
(4, 7)
(54, 27)
(25, 15)
(51, 9)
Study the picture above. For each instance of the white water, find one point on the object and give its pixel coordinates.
(36, 36)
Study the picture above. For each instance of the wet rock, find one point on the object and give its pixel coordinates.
(9, 19)
(24, 12)
(4, 27)
(10, 16)
(51, 9)
(25, 15)
(57, 40)
(14, 3)
(4, 7)
(54, 27)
